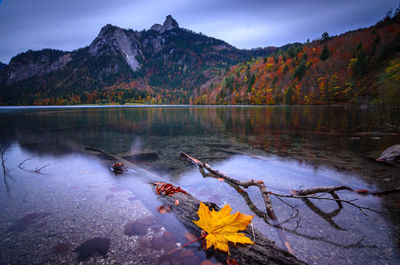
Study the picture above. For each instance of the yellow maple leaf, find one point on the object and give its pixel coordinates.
(222, 227)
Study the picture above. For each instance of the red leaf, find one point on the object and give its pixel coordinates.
(362, 191)
(164, 209)
(167, 189)
(230, 261)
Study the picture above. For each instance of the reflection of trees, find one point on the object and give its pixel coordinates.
(269, 128)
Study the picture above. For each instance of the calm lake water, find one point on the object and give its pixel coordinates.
(63, 194)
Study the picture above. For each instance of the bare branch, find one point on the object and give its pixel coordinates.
(270, 218)
(37, 170)
(20, 164)
(3, 161)
(246, 184)
(350, 202)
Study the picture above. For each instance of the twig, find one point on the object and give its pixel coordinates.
(249, 247)
(178, 248)
(36, 170)
(350, 202)
(20, 164)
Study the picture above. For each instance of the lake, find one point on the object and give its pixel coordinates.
(57, 193)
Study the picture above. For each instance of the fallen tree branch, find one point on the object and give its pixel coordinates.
(252, 206)
(236, 152)
(305, 194)
(294, 214)
(264, 251)
(246, 184)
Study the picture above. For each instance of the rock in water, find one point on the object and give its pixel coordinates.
(91, 246)
(391, 155)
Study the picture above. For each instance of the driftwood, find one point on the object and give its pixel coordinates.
(263, 251)
(305, 195)
(108, 156)
(140, 156)
(265, 195)
(131, 167)
(296, 194)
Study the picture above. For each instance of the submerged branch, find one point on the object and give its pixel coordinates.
(3, 164)
(37, 170)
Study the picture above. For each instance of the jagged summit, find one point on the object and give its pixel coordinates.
(168, 24)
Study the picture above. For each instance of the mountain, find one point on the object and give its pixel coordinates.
(2, 65)
(360, 66)
(164, 64)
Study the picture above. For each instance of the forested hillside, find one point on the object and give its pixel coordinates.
(171, 65)
(361, 66)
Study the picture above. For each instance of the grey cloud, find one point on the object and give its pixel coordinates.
(67, 25)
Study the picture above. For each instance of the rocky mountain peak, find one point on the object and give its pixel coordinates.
(170, 23)
(114, 40)
(107, 30)
(157, 27)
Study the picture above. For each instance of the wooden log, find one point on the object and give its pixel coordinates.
(263, 251)
(260, 184)
(140, 156)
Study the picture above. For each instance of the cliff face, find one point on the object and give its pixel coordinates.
(116, 41)
(37, 63)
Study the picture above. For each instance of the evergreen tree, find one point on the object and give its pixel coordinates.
(361, 64)
(325, 53)
(288, 98)
(325, 37)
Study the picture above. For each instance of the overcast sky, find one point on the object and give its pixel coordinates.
(71, 24)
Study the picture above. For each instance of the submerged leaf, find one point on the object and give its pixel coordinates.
(222, 227)
(163, 209)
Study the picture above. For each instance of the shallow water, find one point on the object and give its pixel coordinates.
(300, 147)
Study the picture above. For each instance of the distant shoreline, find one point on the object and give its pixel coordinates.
(180, 105)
